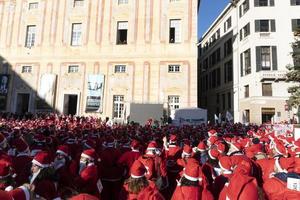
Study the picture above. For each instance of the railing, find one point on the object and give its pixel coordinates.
(272, 75)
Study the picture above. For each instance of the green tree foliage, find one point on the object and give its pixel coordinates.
(294, 72)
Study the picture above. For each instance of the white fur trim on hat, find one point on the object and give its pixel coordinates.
(186, 154)
(40, 164)
(134, 176)
(277, 164)
(191, 178)
(276, 149)
(61, 152)
(223, 168)
(26, 192)
(211, 156)
(86, 156)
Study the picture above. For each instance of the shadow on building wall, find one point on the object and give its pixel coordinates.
(215, 76)
(17, 96)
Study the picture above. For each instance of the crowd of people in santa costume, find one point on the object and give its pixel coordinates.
(63, 157)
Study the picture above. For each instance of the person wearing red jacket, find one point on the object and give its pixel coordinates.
(137, 187)
(88, 180)
(129, 157)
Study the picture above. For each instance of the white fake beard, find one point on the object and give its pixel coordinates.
(34, 175)
(58, 163)
(82, 165)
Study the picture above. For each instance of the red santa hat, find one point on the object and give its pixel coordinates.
(225, 163)
(137, 170)
(213, 154)
(39, 138)
(192, 170)
(212, 140)
(152, 146)
(64, 150)
(89, 154)
(280, 148)
(134, 144)
(20, 193)
(173, 138)
(4, 169)
(202, 146)
(110, 141)
(42, 159)
(84, 197)
(285, 164)
(237, 146)
(212, 132)
(187, 150)
(221, 147)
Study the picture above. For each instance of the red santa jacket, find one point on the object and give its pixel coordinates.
(22, 166)
(267, 167)
(149, 193)
(110, 170)
(87, 180)
(187, 193)
(128, 158)
(276, 189)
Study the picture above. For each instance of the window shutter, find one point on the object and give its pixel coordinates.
(258, 59)
(257, 26)
(241, 61)
(256, 3)
(274, 57)
(273, 28)
(271, 2)
(294, 24)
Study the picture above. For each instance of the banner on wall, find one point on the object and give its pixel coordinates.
(4, 84)
(46, 92)
(95, 88)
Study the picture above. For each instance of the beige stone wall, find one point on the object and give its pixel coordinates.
(146, 55)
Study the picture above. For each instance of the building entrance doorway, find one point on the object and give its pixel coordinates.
(22, 103)
(267, 114)
(70, 104)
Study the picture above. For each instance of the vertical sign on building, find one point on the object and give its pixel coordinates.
(4, 81)
(45, 100)
(94, 101)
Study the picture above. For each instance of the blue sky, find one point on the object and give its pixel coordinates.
(209, 10)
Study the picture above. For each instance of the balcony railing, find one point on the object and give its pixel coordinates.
(272, 75)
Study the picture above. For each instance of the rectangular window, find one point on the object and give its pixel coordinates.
(122, 32)
(76, 34)
(122, 2)
(247, 116)
(265, 25)
(73, 69)
(247, 61)
(295, 25)
(33, 5)
(229, 100)
(295, 2)
(228, 72)
(175, 31)
(174, 102)
(120, 68)
(227, 24)
(174, 68)
(78, 3)
(118, 106)
(228, 47)
(26, 69)
(245, 31)
(266, 89)
(244, 7)
(265, 58)
(263, 3)
(246, 91)
(30, 36)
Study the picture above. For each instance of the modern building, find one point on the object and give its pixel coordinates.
(243, 59)
(91, 57)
